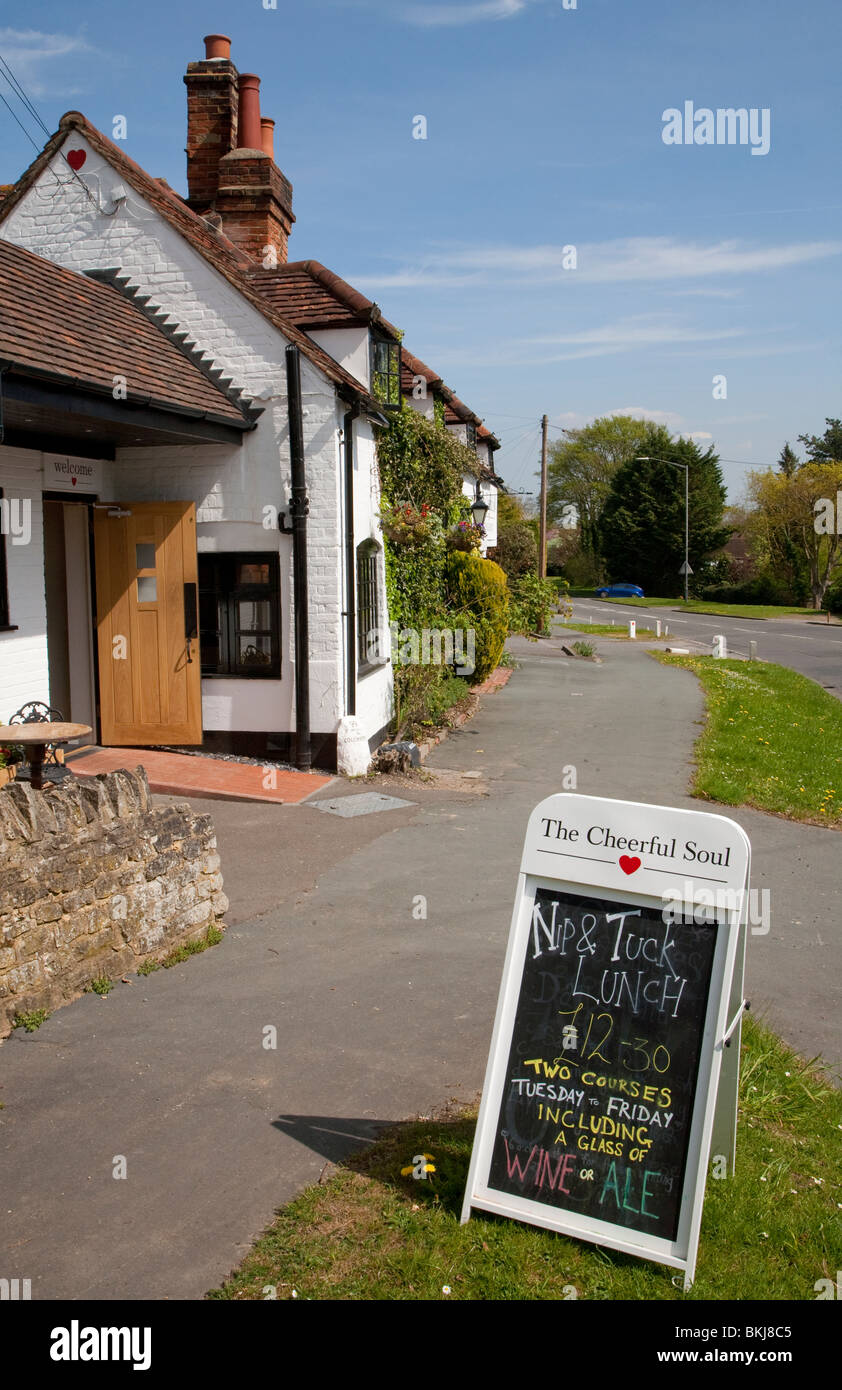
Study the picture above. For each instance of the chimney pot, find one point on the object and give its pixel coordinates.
(217, 46)
(267, 136)
(248, 134)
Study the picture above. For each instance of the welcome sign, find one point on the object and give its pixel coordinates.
(599, 1097)
(64, 473)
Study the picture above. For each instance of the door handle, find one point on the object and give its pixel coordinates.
(191, 616)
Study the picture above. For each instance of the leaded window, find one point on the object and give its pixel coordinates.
(240, 614)
(386, 372)
(369, 613)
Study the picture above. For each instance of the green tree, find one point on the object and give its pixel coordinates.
(827, 447)
(581, 468)
(509, 511)
(798, 515)
(788, 460)
(641, 529)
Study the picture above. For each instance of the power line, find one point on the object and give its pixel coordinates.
(20, 123)
(18, 89)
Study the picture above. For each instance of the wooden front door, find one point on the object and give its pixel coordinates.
(146, 601)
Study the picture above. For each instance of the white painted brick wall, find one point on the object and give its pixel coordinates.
(23, 654)
(57, 221)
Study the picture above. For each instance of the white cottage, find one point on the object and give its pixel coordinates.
(249, 521)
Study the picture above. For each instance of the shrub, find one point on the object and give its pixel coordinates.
(477, 589)
(423, 695)
(833, 596)
(764, 588)
(583, 570)
(516, 551)
(533, 602)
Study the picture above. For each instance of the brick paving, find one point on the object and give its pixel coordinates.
(182, 774)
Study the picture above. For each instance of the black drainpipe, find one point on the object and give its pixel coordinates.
(350, 558)
(299, 510)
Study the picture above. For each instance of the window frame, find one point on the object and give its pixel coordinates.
(369, 613)
(385, 382)
(222, 565)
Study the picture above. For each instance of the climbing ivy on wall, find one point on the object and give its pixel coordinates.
(420, 461)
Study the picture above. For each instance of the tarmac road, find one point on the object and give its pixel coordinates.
(812, 647)
(379, 1015)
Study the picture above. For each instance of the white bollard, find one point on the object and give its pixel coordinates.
(720, 646)
(752, 651)
(632, 629)
(353, 755)
(657, 627)
(666, 629)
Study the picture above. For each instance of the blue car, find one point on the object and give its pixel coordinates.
(620, 591)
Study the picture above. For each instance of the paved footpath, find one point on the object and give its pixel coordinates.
(378, 1015)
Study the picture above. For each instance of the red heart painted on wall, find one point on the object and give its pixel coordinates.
(629, 863)
(76, 158)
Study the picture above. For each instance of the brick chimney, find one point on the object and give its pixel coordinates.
(213, 106)
(230, 166)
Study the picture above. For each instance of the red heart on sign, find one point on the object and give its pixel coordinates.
(629, 863)
(72, 482)
(76, 158)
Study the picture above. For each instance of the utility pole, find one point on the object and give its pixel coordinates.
(542, 544)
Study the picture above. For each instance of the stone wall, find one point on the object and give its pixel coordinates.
(94, 881)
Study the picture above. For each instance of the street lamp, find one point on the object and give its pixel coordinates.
(479, 507)
(685, 568)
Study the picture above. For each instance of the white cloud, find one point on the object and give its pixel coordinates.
(30, 54)
(670, 418)
(626, 335)
(638, 331)
(699, 434)
(627, 259)
(435, 16)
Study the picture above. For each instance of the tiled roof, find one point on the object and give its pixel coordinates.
(311, 296)
(210, 243)
(455, 411)
(64, 326)
(411, 367)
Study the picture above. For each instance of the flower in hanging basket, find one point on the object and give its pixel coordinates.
(406, 525)
(465, 535)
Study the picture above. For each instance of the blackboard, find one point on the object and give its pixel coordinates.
(603, 1062)
(615, 1005)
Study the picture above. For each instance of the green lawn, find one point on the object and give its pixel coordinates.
(772, 739)
(606, 630)
(368, 1232)
(719, 610)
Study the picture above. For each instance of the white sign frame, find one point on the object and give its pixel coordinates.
(583, 868)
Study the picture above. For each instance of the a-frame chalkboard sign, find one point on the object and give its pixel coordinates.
(599, 1096)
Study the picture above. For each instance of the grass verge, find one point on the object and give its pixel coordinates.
(606, 630)
(368, 1232)
(719, 610)
(772, 739)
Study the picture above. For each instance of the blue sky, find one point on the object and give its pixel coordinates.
(544, 130)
